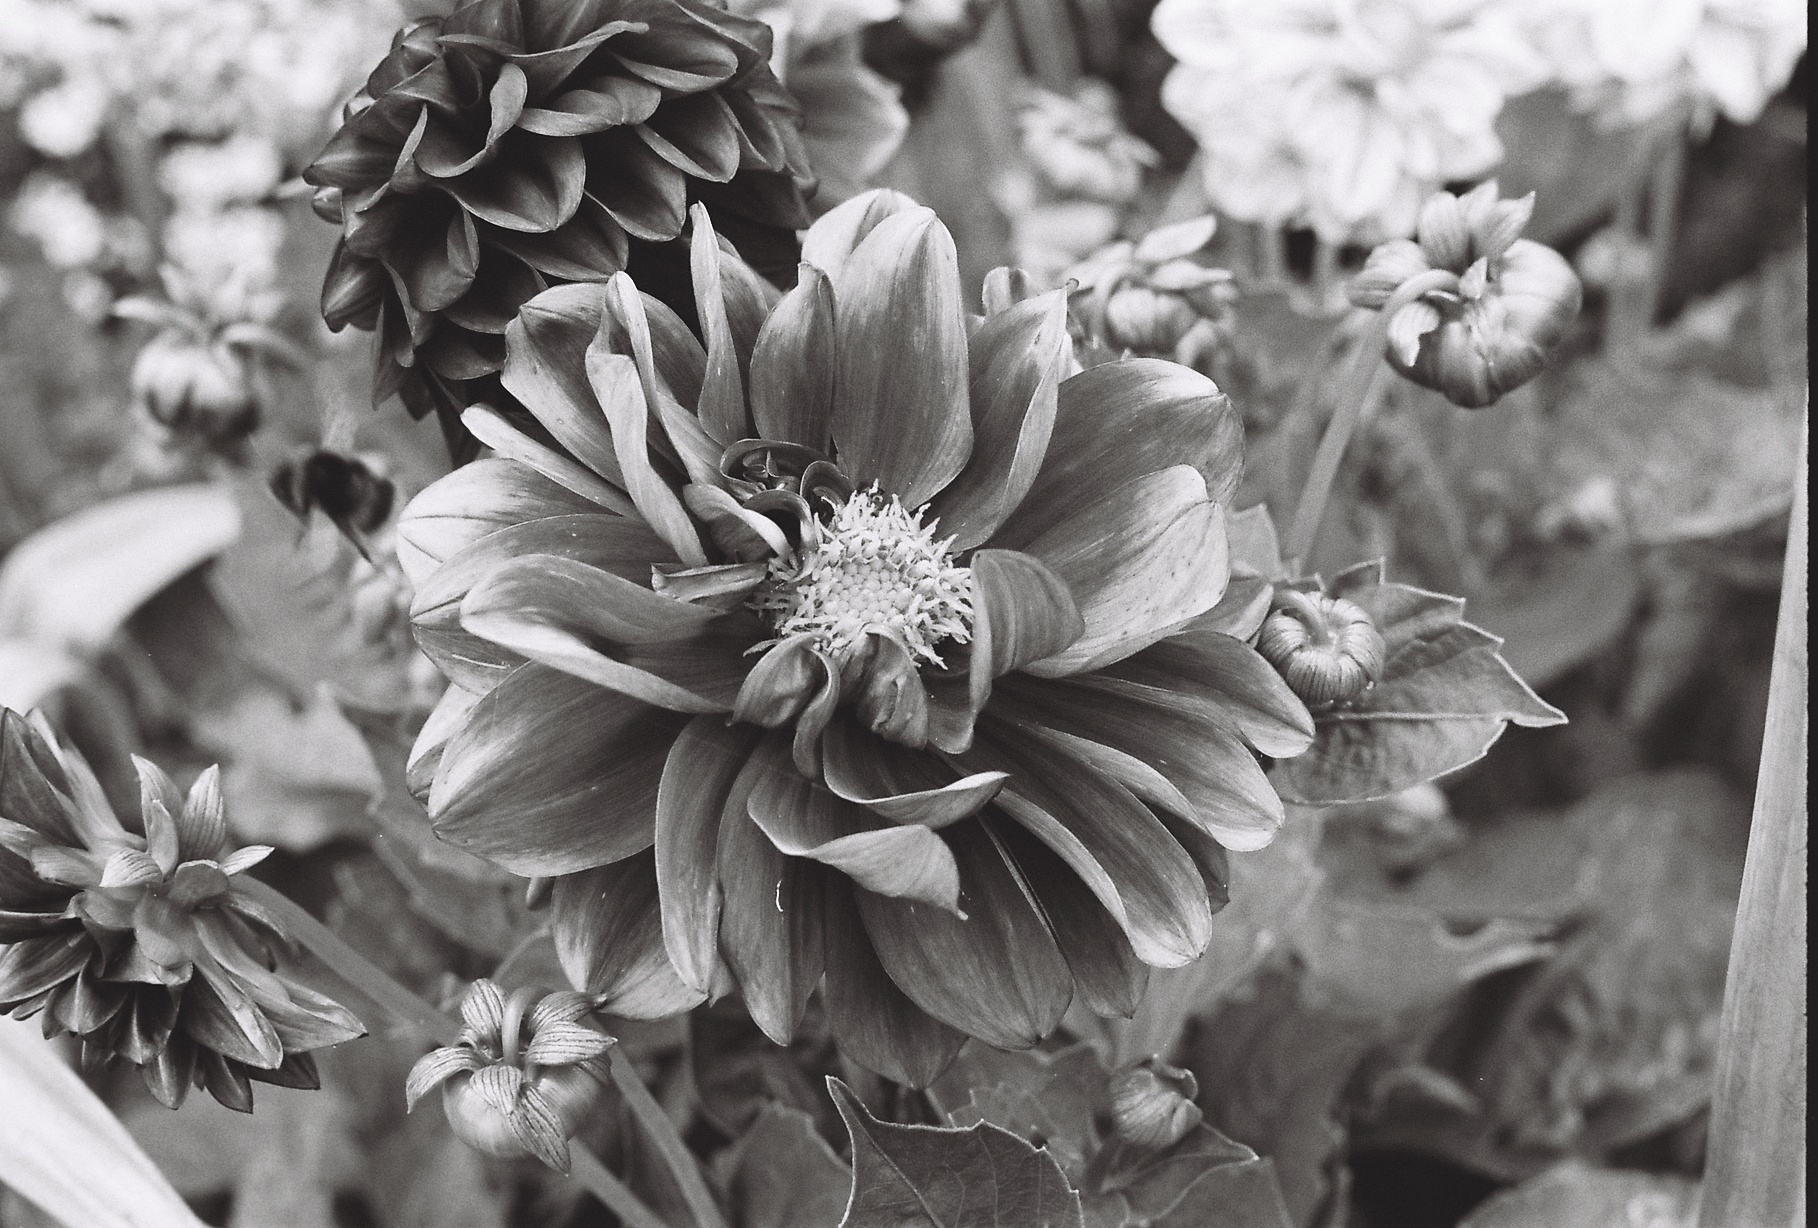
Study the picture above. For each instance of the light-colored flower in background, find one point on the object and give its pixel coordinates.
(1369, 104)
(853, 119)
(53, 211)
(1630, 61)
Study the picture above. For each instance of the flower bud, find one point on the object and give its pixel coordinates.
(522, 1076)
(1147, 321)
(1327, 648)
(1489, 332)
(195, 389)
(1152, 1104)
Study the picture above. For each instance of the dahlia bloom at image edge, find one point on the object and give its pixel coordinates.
(517, 144)
(860, 641)
(1342, 115)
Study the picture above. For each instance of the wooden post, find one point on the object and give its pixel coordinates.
(1755, 1169)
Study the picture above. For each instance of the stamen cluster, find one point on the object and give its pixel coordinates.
(878, 568)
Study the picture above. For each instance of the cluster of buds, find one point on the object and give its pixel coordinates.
(195, 383)
(1327, 648)
(523, 1075)
(146, 946)
(1489, 306)
(1153, 299)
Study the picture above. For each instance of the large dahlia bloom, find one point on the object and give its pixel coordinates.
(516, 144)
(1372, 104)
(860, 641)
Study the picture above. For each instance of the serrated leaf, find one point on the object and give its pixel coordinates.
(930, 1177)
(1444, 698)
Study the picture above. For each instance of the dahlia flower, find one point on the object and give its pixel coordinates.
(523, 1074)
(144, 946)
(1151, 297)
(1628, 61)
(521, 143)
(857, 642)
(1370, 104)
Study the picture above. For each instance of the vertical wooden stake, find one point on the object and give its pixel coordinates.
(1755, 1170)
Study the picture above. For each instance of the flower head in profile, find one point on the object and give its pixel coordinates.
(517, 144)
(1489, 327)
(1369, 104)
(143, 945)
(523, 1074)
(857, 645)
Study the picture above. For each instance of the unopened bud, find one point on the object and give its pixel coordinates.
(1152, 1104)
(195, 389)
(1327, 648)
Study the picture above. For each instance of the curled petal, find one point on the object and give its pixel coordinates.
(900, 785)
(435, 1068)
(615, 382)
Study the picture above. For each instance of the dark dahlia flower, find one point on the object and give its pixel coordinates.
(143, 945)
(860, 643)
(519, 144)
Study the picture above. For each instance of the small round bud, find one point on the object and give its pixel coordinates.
(1145, 320)
(1327, 648)
(1152, 1104)
(478, 1121)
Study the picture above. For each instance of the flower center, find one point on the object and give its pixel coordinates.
(876, 568)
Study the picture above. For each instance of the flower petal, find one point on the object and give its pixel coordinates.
(221, 1017)
(899, 784)
(831, 240)
(567, 593)
(874, 1021)
(1107, 976)
(670, 363)
(1111, 840)
(1022, 613)
(615, 382)
(202, 822)
(722, 404)
(1140, 563)
(771, 929)
(476, 499)
(1228, 681)
(534, 183)
(545, 369)
(697, 778)
(793, 365)
(1122, 420)
(609, 939)
(901, 417)
(805, 819)
(565, 1044)
(492, 429)
(997, 974)
(1018, 359)
(483, 1012)
(535, 1125)
(552, 775)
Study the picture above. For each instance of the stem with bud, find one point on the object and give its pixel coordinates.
(1357, 390)
(377, 993)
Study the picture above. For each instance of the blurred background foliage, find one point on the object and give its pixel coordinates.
(1489, 1001)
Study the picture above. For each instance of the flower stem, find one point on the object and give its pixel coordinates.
(1663, 216)
(384, 995)
(661, 1132)
(1357, 390)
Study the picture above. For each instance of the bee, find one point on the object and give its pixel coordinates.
(343, 488)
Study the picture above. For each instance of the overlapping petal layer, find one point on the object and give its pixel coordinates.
(965, 808)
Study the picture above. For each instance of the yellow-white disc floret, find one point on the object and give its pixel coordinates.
(876, 568)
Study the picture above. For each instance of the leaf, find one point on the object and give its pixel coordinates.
(1203, 1181)
(929, 1177)
(1562, 610)
(1444, 698)
(72, 584)
(784, 1175)
(61, 1147)
(1049, 1098)
(1575, 1195)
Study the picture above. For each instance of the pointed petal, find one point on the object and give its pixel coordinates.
(902, 417)
(483, 1011)
(589, 600)
(436, 1067)
(474, 500)
(614, 378)
(771, 930)
(875, 1023)
(609, 938)
(1230, 682)
(793, 365)
(492, 429)
(34, 965)
(202, 822)
(533, 184)
(537, 1127)
(722, 405)
(996, 975)
(1141, 563)
(831, 240)
(565, 1044)
(218, 1016)
(552, 775)
(697, 778)
(1019, 358)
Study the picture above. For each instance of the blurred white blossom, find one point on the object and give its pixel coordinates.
(1342, 114)
(1629, 61)
(1079, 147)
(64, 120)
(210, 175)
(52, 210)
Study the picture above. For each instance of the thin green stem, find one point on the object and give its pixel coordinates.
(661, 1132)
(1356, 391)
(382, 995)
(1663, 217)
